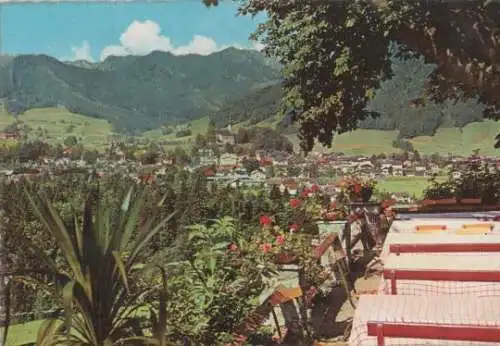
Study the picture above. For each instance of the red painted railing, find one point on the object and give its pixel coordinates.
(439, 275)
(383, 330)
(444, 247)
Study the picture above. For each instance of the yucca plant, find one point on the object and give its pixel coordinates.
(101, 253)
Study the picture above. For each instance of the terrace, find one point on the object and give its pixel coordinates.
(428, 261)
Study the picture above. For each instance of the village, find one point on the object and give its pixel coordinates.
(263, 168)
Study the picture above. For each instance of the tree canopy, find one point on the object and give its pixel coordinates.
(336, 53)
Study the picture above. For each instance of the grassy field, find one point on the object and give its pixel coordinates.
(413, 185)
(461, 141)
(367, 142)
(198, 126)
(362, 142)
(55, 124)
(447, 140)
(94, 133)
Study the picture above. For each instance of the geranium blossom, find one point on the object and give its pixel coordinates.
(233, 247)
(305, 192)
(295, 202)
(265, 220)
(280, 240)
(266, 247)
(357, 188)
(294, 227)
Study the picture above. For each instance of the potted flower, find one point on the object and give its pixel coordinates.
(359, 190)
(335, 212)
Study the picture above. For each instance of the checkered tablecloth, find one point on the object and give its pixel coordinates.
(466, 310)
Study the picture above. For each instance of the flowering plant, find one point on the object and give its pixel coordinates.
(288, 246)
(336, 211)
(359, 189)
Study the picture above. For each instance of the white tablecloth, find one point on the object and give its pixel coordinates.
(453, 225)
(466, 310)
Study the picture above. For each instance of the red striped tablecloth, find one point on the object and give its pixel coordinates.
(463, 311)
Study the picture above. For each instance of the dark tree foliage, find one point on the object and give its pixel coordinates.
(33, 151)
(263, 138)
(336, 53)
(403, 145)
(250, 164)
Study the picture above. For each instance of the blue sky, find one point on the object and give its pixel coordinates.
(95, 30)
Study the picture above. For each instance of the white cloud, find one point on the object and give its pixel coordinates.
(142, 38)
(201, 45)
(258, 46)
(82, 52)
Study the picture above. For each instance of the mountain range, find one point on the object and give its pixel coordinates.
(136, 93)
(139, 93)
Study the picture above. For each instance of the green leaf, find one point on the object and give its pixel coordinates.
(47, 333)
(67, 295)
(220, 246)
(144, 236)
(126, 201)
(212, 263)
(121, 270)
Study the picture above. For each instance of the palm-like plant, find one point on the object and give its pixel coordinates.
(101, 256)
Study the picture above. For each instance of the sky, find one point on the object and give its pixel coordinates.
(94, 30)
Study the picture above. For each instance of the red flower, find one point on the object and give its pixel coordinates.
(257, 241)
(305, 192)
(233, 247)
(357, 188)
(208, 172)
(310, 294)
(331, 216)
(265, 220)
(312, 291)
(315, 188)
(333, 205)
(148, 178)
(280, 240)
(352, 217)
(388, 203)
(295, 202)
(294, 227)
(266, 247)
